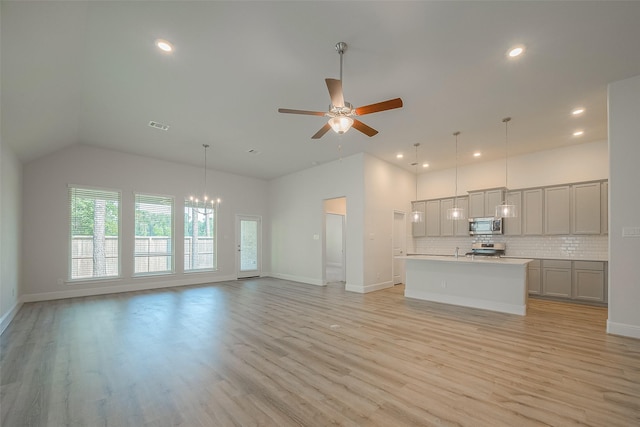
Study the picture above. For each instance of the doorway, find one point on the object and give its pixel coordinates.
(334, 242)
(249, 245)
(399, 245)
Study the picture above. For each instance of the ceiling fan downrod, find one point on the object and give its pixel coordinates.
(341, 47)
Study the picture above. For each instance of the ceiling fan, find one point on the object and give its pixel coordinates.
(341, 114)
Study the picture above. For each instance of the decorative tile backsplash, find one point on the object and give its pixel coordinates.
(593, 248)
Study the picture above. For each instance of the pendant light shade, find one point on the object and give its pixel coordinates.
(455, 213)
(506, 210)
(416, 216)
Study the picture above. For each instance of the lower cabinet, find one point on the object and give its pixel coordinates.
(577, 280)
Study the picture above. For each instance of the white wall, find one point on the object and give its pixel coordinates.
(45, 209)
(575, 163)
(624, 207)
(10, 223)
(297, 217)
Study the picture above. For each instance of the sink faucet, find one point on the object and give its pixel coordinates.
(456, 252)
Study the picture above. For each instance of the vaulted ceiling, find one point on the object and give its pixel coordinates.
(89, 73)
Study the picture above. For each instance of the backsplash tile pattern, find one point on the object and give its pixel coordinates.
(593, 248)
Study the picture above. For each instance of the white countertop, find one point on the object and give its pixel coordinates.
(464, 259)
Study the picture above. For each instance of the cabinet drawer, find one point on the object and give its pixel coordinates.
(589, 265)
(553, 263)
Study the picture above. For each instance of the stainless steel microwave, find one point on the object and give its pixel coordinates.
(478, 226)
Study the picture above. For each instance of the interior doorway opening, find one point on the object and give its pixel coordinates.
(334, 242)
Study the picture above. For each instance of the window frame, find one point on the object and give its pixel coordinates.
(70, 258)
(188, 204)
(172, 254)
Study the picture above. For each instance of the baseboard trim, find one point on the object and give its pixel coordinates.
(622, 329)
(364, 289)
(290, 277)
(5, 320)
(520, 310)
(131, 287)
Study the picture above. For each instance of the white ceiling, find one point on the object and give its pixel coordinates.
(89, 73)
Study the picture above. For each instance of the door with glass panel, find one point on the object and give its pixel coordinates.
(248, 242)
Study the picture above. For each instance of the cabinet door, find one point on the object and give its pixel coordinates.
(556, 280)
(586, 208)
(462, 225)
(604, 208)
(418, 229)
(588, 281)
(513, 226)
(532, 212)
(433, 218)
(492, 198)
(557, 210)
(446, 225)
(533, 280)
(476, 204)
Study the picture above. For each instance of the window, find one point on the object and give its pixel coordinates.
(94, 233)
(199, 237)
(153, 242)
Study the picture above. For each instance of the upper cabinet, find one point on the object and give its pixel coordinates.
(418, 229)
(446, 225)
(532, 211)
(462, 225)
(432, 218)
(483, 203)
(587, 213)
(557, 210)
(513, 226)
(476, 204)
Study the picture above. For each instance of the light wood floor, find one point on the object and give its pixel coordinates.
(275, 353)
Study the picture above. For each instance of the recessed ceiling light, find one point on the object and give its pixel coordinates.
(399, 156)
(164, 45)
(577, 111)
(425, 165)
(516, 51)
(477, 154)
(578, 133)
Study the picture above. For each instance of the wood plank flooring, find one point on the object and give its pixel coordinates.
(267, 352)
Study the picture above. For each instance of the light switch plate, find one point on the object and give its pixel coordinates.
(630, 231)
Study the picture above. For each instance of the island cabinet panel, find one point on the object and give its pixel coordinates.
(557, 210)
(418, 229)
(433, 218)
(589, 281)
(492, 198)
(604, 208)
(556, 278)
(534, 279)
(513, 226)
(587, 208)
(462, 225)
(532, 204)
(476, 204)
(446, 225)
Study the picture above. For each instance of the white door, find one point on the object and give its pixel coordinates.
(334, 247)
(248, 241)
(399, 244)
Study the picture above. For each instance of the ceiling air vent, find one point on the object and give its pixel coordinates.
(158, 125)
(253, 151)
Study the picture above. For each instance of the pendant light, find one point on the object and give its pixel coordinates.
(455, 212)
(416, 215)
(204, 201)
(506, 210)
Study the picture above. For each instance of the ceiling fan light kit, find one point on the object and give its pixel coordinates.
(341, 113)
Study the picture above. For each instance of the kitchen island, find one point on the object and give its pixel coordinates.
(498, 284)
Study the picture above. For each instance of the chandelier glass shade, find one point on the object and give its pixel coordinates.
(506, 210)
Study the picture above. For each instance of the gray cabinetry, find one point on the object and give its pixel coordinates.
(532, 211)
(433, 217)
(418, 229)
(589, 281)
(557, 210)
(446, 225)
(492, 198)
(534, 279)
(461, 226)
(556, 278)
(476, 204)
(513, 226)
(604, 208)
(586, 208)
(483, 203)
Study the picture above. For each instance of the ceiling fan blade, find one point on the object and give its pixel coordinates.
(309, 113)
(380, 106)
(367, 130)
(335, 92)
(324, 129)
